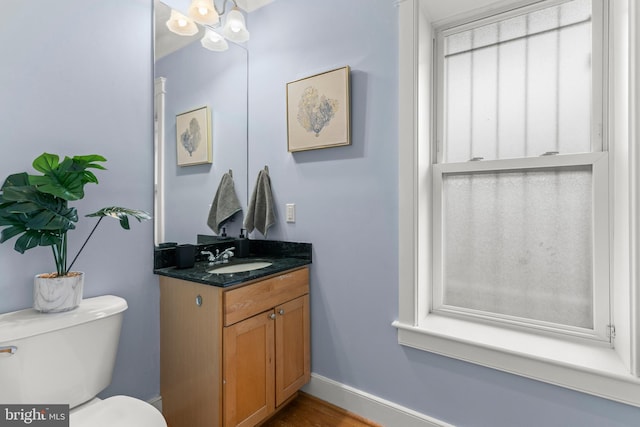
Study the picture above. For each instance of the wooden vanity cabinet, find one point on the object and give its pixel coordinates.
(239, 355)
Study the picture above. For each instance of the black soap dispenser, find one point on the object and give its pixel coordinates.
(242, 245)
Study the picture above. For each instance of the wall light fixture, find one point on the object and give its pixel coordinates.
(206, 13)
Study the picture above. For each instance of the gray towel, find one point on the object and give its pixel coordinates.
(225, 204)
(260, 211)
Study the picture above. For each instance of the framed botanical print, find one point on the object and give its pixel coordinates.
(193, 137)
(318, 111)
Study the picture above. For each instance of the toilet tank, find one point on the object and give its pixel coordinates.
(61, 358)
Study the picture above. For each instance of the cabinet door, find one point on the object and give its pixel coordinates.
(249, 370)
(292, 347)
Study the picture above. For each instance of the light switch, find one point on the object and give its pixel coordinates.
(291, 212)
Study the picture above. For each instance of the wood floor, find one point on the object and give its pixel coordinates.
(308, 411)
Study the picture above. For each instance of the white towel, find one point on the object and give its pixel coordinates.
(225, 204)
(260, 213)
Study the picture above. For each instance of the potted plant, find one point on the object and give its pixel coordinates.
(35, 208)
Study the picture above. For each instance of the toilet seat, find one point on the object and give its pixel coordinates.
(116, 411)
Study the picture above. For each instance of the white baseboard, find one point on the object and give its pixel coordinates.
(366, 405)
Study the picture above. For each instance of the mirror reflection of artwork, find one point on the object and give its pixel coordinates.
(318, 111)
(193, 137)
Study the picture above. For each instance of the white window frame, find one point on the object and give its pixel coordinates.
(584, 365)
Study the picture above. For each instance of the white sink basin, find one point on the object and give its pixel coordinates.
(239, 268)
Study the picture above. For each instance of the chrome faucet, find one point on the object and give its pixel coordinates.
(220, 257)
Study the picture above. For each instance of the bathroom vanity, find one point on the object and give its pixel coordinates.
(234, 348)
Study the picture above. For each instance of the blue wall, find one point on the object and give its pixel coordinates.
(76, 78)
(347, 206)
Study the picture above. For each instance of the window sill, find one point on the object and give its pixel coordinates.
(585, 367)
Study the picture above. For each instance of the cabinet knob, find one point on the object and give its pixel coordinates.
(199, 300)
(281, 312)
(272, 316)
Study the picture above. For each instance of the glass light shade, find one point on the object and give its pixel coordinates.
(181, 25)
(235, 28)
(214, 41)
(204, 12)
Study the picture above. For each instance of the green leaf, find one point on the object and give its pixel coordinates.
(88, 176)
(49, 220)
(63, 185)
(16, 180)
(65, 179)
(50, 239)
(89, 161)
(19, 193)
(22, 207)
(12, 220)
(10, 232)
(121, 214)
(49, 212)
(30, 239)
(46, 162)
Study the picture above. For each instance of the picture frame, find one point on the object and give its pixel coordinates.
(193, 137)
(318, 111)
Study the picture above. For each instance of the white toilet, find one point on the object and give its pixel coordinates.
(68, 358)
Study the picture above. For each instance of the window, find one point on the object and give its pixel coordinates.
(515, 248)
(516, 231)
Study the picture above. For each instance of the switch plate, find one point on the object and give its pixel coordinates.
(291, 212)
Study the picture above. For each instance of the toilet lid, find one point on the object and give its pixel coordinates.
(117, 411)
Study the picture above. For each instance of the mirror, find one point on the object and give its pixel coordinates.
(188, 77)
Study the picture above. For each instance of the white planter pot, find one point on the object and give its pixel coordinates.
(56, 294)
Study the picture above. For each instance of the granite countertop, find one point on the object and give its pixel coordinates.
(283, 256)
(198, 273)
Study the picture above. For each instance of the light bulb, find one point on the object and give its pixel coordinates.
(235, 21)
(213, 36)
(235, 28)
(180, 24)
(214, 41)
(204, 12)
